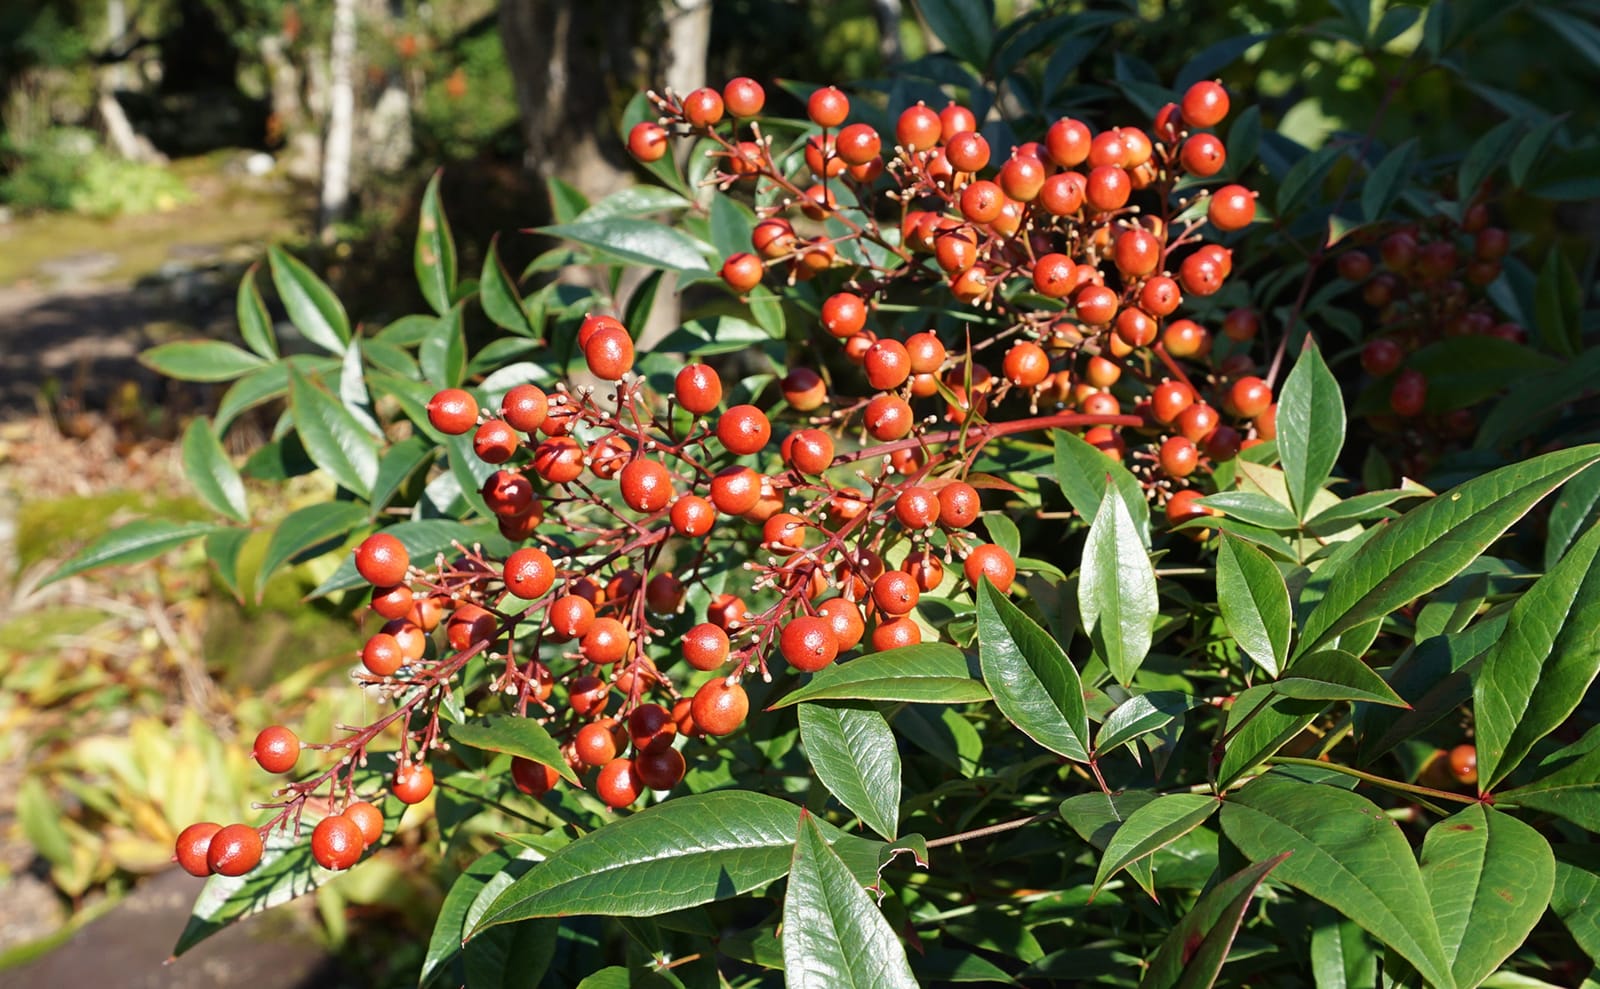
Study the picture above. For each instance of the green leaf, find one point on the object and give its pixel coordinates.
(313, 308)
(422, 538)
(965, 26)
(41, 821)
(434, 256)
(1386, 182)
(257, 387)
(443, 353)
(930, 673)
(1548, 656)
(497, 293)
(132, 543)
(517, 736)
(678, 854)
(1096, 816)
(1341, 955)
(731, 224)
(1558, 305)
(1140, 715)
(255, 325)
(333, 439)
(286, 869)
(222, 549)
(305, 528)
(1117, 589)
(1336, 675)
(1191, 956)
(1153, 827)
(1576, 896)
(1255, 603)
(1253, 507)
(630, 241)
(834, 937)
(853, 751)
(1435, 541)
(1261, 722)
(398, 463)
(1310, 428)
(445, 954)
(200, 360)
(1305, 176)
(1571, 791)
(1489, 877)
(1347, 853)
(1081, 472)
(566, 202)
(211, 473)
(1486, 155)
(1577, 506)
(1033, 682)
(637, 200)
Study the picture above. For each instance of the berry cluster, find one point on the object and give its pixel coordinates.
(855, 503)
(1428, 282)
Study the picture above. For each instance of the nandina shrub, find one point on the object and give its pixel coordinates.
(960, 593)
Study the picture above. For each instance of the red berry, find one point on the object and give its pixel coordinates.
(1249, 397)
(742, 271)
(744, 429)
(1185, 338)
(993, 562)
(1409, 394)
(234, 850)
(1464, 763)
(382, 655)
(895, 592)
(1169, 400)
(926, 351)
(735, 490)
(1108, 188)
(1063, 193)
(368, 819)
(193, 843)
(1203, 155)
(1232, 207)
(647, 141)
(703, 107)
(1205, 104)
(828, 107)
(495, 442)
(896, 634)
(1067, 142)
(382, 560)
(917, 129)
(803, 389)
(646, 486)
(618, 785)
(888, 418)
(587, 696)
(529, 573)
(720, 707)
(1136, 253)
(336, 843)
(276, 749)
(1026, 364)
(808, 643)
(659, 768)
(570, 616)
(858, 144)
(1178, 456)
(705, 646)
(981, 201)
(693, 516)
(916, 507)
(958, 505)
(809, 451)
(967, 151)
(1381, 358)
(699, 388)
(955, 119)
(609, 353)
(888, 364)
(743, 97)
(533, 778)
(453, 411)
(605, 642)
(844, 314)
(651, 726)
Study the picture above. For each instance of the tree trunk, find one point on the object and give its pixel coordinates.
(341, 117)
(120, 135)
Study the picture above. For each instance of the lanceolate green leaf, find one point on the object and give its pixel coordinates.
(313, 308)
(211, 473)
(1576, 896)
(1575, 507)
(1335, 675)
(834, 937)
(497, 292)
(1255, 603)
(633, 241)
(1570, 788)
(682, 853)
(930, 673)
(853, 750)
(255, 325)
(1096, 816)
(1141, 714)
(1434, 542)
(1033, 682)
(1310, 428)
(434, 256)
(201, 360)
(1538, 672)
(965, 26)
(1347, 853)
(1261, 722)
(1117, 589)
(443, 353)
(1489, 877)
(1152, 827)
(1191, 956)
(132, 543)
(515, 736)
(333, 438)
(305, 528)
(1081, 472)
(445, 951)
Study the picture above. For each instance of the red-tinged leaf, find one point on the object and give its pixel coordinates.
(1193, 953)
